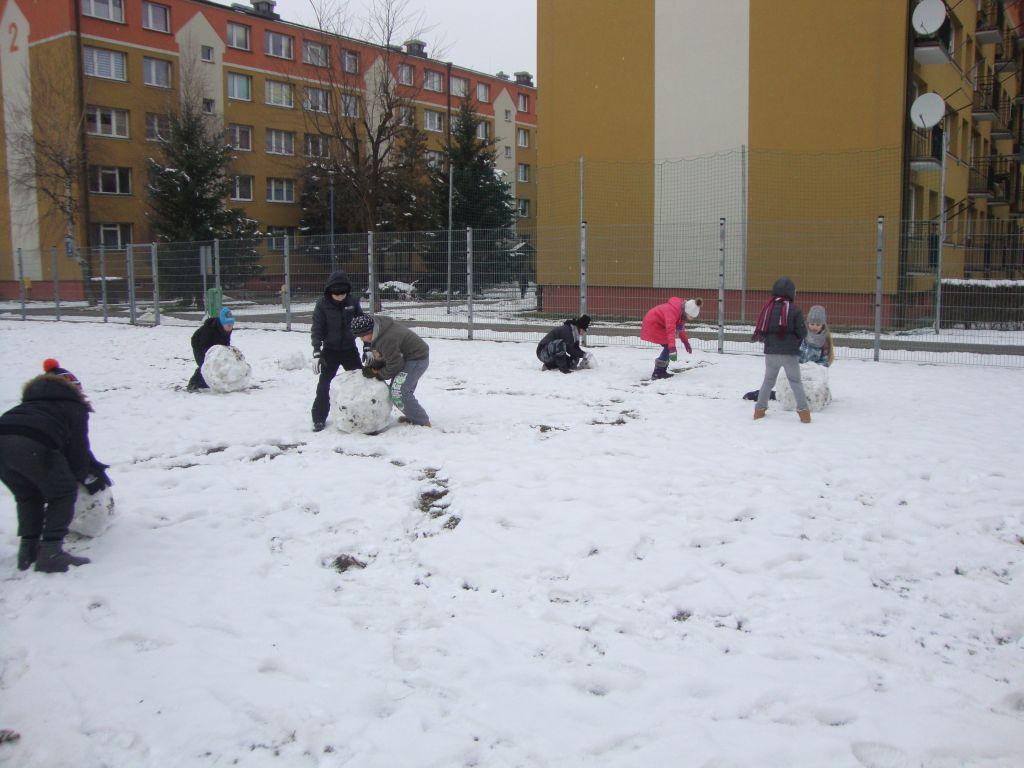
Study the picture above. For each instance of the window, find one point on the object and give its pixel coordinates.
(316, 54)
(280, 190)
(405, 74)
(107, 180)
(350, 62)
(524, 102)
(156, 17)
(317, 145)
(508, 115)
(349, 105)
(238, 36)
(482, 130)
(99, 62)
(277, 237)
(508, 151)
(111, 10)
(241, 188)
(483, 92)
(280, 142)
(350, 148)
(523, 173)
(279, 94)
(114, 236)
(209, 106)
(317, 100)
(156, 72)
(460, 86)
(522, 137)
(106, 121)
(206, 53)
(435, 159)
(432, 81)
(158, 127)
(240, 136)
(433, 121)
(239, 87)
(278, 45)
(523, 208)
(407, 117)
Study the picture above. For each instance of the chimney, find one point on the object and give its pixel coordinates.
(264, 8)
(416, 48)
(524, 78)
(502, 76)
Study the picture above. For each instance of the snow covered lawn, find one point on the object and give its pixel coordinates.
(566, 571)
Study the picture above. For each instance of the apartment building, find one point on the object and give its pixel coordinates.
(117, 67)
(799, 113)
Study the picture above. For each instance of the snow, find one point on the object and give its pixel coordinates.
(994, 283)
(226, 370)
(590, 569)
(814, 379)
(93, 512)
(360, 404)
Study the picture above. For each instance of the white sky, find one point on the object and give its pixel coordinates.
(484, 35)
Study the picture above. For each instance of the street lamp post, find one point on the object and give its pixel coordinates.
(330, 202)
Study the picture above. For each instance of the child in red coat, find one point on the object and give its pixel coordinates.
(661, 325)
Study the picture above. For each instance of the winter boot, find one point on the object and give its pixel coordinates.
(53, 559)
(805, 415)
(661, 373)
(759, 413)
(27, 553)
(318, 426)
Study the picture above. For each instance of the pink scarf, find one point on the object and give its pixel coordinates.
(765, 316)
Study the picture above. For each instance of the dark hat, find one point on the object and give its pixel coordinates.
(361, 325)
(582, 322)
(52, 367)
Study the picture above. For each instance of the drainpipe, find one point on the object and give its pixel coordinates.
(901, 250)
(83, 182)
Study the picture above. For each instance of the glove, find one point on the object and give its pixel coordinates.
(96, 484)
(369, 373)
(673, 356)
(316, 363)
(689, 349)
(99, 469)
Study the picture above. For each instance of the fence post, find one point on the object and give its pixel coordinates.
(216, 271)
(879, 245)
(103, 283)
(469, 279)
(130, 264)
(371, 269)
(204, 269)
(583, 267)
(938, 282)
(288, 281)
(721, 285)
(743, 233)
(21, 284)
(56, 280)
(156, 284)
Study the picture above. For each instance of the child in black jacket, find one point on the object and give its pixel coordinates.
(560, 348)
(215, 331)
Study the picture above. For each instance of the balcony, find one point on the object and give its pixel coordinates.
(986, 100)
(1002, 177)
(978, 184)
(1002, 126)
(937, 48)
(1007, 54)
(926, 149)
(990, 23)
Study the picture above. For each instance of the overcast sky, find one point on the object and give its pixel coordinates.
(484, 35)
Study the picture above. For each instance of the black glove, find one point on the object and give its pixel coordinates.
(369, 372)
(96, 484)
(99, 469)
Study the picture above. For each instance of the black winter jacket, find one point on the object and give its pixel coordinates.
(331, 320)
(209, 334)
(54, 412)
(563, 332)
(796, 327)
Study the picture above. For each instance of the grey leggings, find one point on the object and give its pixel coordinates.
(772, 364)
(403, 391)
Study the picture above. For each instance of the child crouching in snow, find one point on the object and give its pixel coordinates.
(817, 345)
(396, 354)
(780, 325)
(661, 325)
(560, 348)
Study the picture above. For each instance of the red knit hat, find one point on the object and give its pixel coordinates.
(51, 366)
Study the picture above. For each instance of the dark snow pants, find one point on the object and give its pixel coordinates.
(43, 486)
(330, 361)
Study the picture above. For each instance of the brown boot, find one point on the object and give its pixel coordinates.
(759, 413)
(805, 415)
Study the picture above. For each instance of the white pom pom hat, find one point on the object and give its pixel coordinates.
(692, 308)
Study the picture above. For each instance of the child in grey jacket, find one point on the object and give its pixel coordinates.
(781, 326)
(397, 355)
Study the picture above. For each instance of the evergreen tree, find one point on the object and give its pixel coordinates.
(188, 191)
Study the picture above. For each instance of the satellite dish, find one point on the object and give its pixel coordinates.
(928, 16)
(927, 110)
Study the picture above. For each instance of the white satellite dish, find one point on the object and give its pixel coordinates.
(928, 16)
(927, 110)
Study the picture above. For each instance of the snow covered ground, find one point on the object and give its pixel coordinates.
(567, 570)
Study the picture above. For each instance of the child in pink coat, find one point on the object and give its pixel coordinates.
(661, 325)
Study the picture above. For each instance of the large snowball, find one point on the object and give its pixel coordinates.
(93, 512)
(293, 361)
(360, 404)
(815, 381)
(225, 369)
